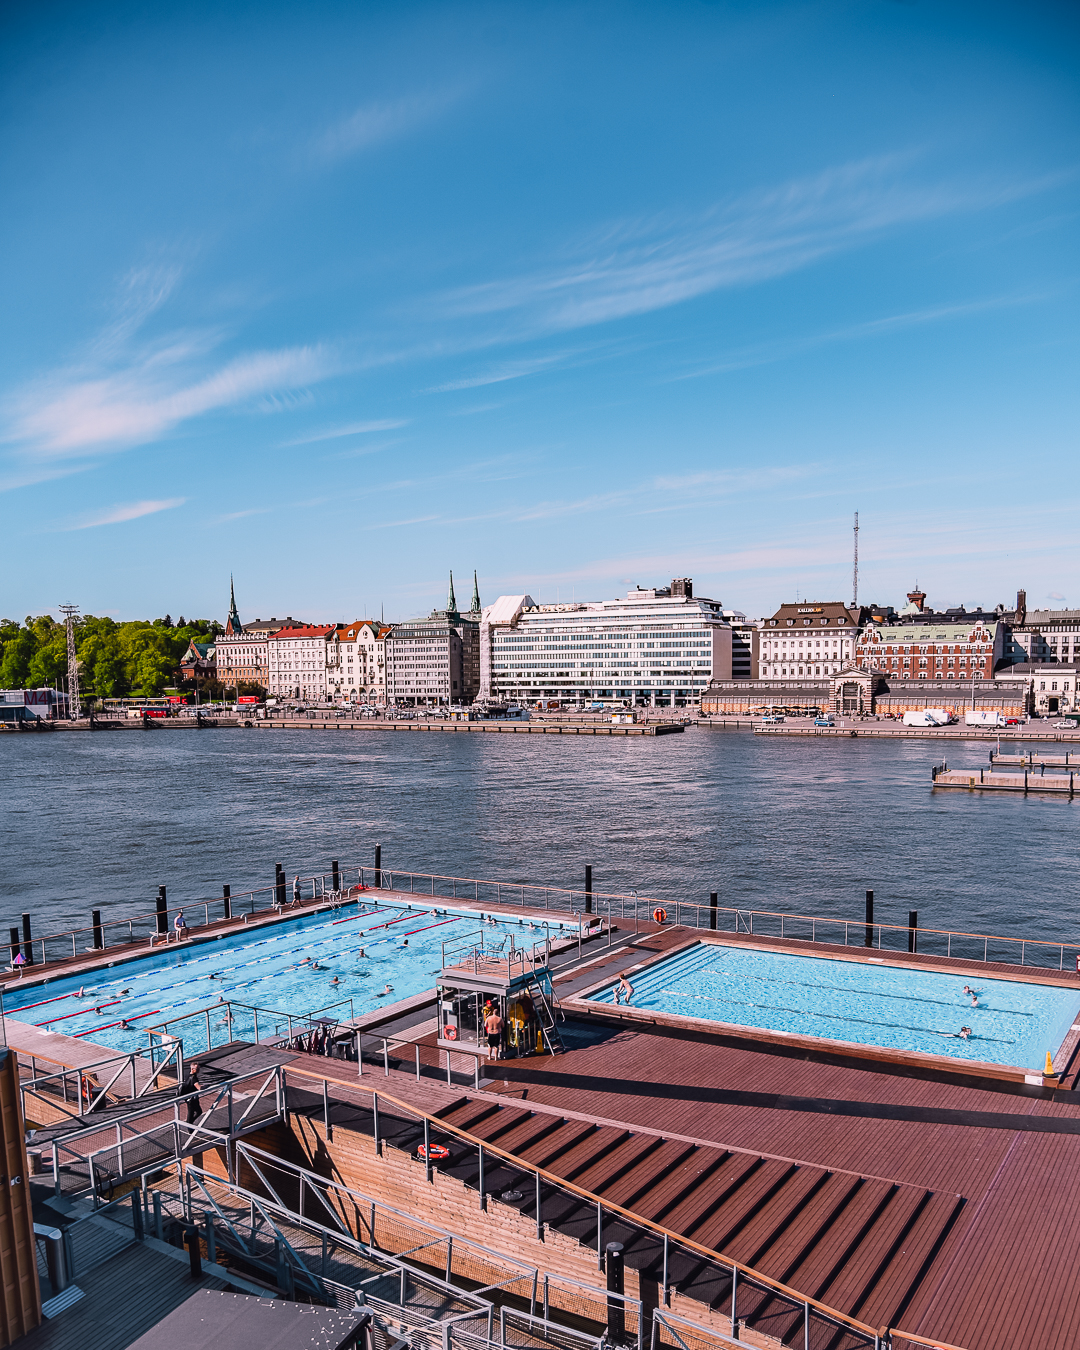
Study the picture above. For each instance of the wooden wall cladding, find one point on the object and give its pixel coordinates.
(20, 1294)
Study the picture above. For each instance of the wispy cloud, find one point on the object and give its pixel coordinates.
(353, 429)
(125, 511)
(638, 266)
(241, 515)
(73, 414)
(768, 352)
(511, 370)
(375, 123)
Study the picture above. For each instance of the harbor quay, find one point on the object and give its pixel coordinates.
(484, 1112)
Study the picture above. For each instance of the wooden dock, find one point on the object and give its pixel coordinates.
(987, 780)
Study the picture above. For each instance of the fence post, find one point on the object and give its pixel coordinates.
(480, 1179)
(868, 936)
(375, 1123)
(539, 1212)
(588, 888)
(734, 1294)
(378, 867)
(599, 1237)
(359, 1057)
(162, 912)
(714, 900)
(616, 1312)
(326, 1112)
(913, 925)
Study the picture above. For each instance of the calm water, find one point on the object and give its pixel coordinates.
(799, 825)
(1009, 1023)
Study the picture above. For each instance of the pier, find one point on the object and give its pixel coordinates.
(988, 780)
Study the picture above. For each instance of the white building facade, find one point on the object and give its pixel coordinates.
(808, 639)
(299, 659)
(658, 647)
(356, 672)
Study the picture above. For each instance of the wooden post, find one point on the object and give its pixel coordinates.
(868, 939)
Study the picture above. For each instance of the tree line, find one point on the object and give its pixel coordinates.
(115, 659)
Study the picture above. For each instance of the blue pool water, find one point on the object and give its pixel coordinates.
(265, 968)
(1014, 1023)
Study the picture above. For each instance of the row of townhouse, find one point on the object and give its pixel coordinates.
(419, 662)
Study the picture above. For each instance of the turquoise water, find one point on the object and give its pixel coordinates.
(270, 968)
(1013, 1023)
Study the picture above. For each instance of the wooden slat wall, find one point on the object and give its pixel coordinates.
(20, 1295)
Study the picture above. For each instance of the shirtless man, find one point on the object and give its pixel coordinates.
(493, 1025)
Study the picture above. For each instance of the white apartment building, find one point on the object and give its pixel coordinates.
(299, 659)
(808, 638)
(357, 656)
(657, 646)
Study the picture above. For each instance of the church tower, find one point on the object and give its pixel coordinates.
(233, 626)
(474, 608)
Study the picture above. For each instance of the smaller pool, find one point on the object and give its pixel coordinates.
(1012, 1022)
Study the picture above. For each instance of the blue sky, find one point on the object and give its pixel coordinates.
(337, 297)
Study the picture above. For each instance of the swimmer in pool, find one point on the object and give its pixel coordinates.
(361, 952)
(625, 988)
(965, 1032)
(388, 990)
(335, 980)
(405, 943)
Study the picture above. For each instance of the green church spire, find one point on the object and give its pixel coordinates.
(451, 601)
(474, 608)
(233, 624)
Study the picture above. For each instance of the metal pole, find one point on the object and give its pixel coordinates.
(616, 1312)
(326, 1112)
(375, 1123)
(359, 1058)
(667, 1295)
(416, 1047)
(734, 1295)
(480, 1180)
(913, 925)
(539, 1212)
(599, 1237)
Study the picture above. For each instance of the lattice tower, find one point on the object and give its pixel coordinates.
(71, 613)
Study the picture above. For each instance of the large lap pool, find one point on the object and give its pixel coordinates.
(271, 968)
(1014, 1023)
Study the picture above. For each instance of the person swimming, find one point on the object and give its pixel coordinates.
(383, 992)
(965, 1032)
(335, 980)
(361, 952)
(623, 988)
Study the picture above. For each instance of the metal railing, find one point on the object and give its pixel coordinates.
(487, 895)
(83, 1086)
(137, 1142)
(231, 1020)
(746, 1294)
(372, 1228)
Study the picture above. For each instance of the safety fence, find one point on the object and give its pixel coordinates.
(228, 1020)
(737, 1294)
(76, 1092)
(96, 1159)
(336, 887)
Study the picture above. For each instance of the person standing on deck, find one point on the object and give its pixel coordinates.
(193, 1104)
(493, 1025)
(296, 889)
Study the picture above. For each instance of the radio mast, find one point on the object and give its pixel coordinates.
(855, 568)
(70, 613)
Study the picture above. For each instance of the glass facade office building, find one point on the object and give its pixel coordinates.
(658, 647)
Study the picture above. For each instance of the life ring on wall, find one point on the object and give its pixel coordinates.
(449, 1033)
(659, 915)
(436, 1153)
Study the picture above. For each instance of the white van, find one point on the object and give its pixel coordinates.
(981, 718)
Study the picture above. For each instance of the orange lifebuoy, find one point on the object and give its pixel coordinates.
(437, 1152)
(449, 1033)
(659, 915)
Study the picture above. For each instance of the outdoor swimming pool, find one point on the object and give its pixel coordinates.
(1013, 1023)
(272, 967)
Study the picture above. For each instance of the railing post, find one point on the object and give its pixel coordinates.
(386, 1057)
(667, 1296)
(480, 1179)
(539, 1212)
(599, 1237)
(375, 1123)
(326, 1112)
(734, 1295)
(416, 1047)
(359, 1057)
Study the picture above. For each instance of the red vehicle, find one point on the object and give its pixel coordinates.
(248, 698)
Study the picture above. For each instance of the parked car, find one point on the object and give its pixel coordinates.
(1014, 721)
(773, 717)
(1065, 726)
(824, 722)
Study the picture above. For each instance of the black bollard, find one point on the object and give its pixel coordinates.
(868, 939)
(378, 866)
(714, 900)
(226, 901)
(28, 941)
(95, 923)
(335, 875)
(912, 925)
(162, 911)
(588, 888)
(13, 934)
(191, 1241)
(616, 1315)
(279, 886)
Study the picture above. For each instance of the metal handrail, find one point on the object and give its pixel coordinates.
(518, 893)
(303, 1020)
(85, 1073)
(608, 1206)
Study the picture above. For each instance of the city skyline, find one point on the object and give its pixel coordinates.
(582, 298)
